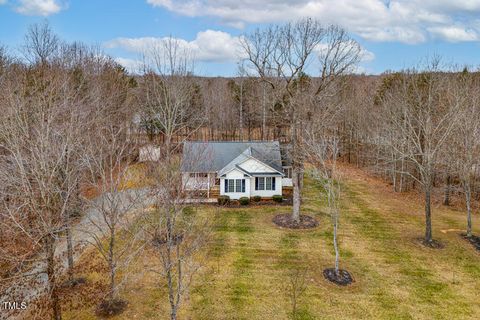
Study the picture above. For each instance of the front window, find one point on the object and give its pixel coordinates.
(234, 185)
(262, 183)
(268, 183)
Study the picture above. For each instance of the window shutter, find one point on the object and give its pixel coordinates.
(226, 185)
(256, 183)
(273, 183)
(243, 185)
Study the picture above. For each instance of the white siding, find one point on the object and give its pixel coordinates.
(287, 182)
(235, 174)
(252, 165)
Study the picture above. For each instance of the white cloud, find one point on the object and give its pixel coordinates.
(208, 46)
(366, 55)
(132, 66)
(455, 34)
(407, 21)
(3, 2)
(38, 7)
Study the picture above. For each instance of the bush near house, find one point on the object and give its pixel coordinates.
(223, 200)
(256, 198)
(244, 201)
(277, 198)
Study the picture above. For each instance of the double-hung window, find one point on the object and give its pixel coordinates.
(268, 183)
(234, 185)
(265, 183)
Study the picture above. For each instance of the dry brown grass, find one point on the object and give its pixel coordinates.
(249, 261)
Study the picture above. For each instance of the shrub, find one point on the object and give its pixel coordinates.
(244, 201)
(256, 198)
(277, 198)
(223, 200)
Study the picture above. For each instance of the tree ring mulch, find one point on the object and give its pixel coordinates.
(285, 221)
(433, 244)
(474, 240)
(341, 278)
(109, 308)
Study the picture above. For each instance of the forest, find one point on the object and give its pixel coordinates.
(81, 218)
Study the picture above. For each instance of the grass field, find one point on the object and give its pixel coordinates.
(249, 261)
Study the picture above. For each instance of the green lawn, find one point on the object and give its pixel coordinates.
(249, 262)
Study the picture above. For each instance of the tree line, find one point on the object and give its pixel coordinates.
(72, 119)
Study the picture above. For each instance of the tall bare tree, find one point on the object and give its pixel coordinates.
(41, 44)
(281, 56)
(38, 133)
(420, 113)
(176, 234)
(167, 91)
(108, 153)
(464, 148)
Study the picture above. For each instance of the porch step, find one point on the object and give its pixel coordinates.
(214, 192)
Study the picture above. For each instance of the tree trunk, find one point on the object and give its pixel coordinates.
(401, 175)
(111, 263)
(241, 111)
(468, 200)
(52, 287)
(296, 177)
(335, 244)
(264, 111)
(68, 234)
(428, 217)
(446, 200)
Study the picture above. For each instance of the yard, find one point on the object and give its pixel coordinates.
(249, 262)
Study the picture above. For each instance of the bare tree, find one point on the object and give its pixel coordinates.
(38, 132)
(322, 145)
(418, 112)
(167, 90)
(281, 56)
(175, 230)
(296, 288)
(464, 149)
(108, 152)
(176, 234)
(41, 44)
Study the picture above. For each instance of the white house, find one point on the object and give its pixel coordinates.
(235, 169)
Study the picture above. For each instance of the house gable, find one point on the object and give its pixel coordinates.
(252, 166)
(249, 166)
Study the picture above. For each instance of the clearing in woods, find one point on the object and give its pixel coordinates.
(249, 262)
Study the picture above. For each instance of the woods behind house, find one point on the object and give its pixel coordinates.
(72, 121)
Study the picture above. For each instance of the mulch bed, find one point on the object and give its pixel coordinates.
(474, 240)
(285, 221)
(342, 278)
(111, 308)
(235, 204)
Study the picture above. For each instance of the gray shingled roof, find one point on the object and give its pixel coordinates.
(214, 156)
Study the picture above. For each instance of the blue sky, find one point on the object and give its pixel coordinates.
(394, 34)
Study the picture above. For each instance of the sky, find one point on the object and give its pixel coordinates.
(394, 34)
